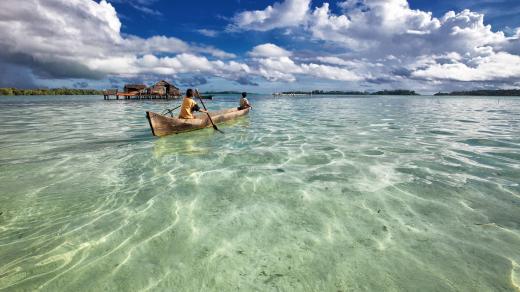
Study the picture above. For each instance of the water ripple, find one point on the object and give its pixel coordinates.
(318, 194)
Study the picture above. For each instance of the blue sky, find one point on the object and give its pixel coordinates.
(262, 46)
(183, 18)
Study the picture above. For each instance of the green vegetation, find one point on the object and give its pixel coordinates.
(395, 92)
(321, 92)
(339, 92)
(500, 92)
(51, 91)
(221, 92)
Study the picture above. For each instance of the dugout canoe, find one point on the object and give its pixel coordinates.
(162, 125)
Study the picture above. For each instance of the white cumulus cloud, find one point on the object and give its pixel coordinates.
(496, 66)
(208, 32)
(275, 64)
(269, 50)
(280, 15)
(388, 40)
(365, 41)
(82, 39)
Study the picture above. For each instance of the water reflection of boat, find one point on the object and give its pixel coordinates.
(197, 143)
(175, 145)
(162, 125)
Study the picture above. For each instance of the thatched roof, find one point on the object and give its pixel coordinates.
(165, 83)
(135, 86)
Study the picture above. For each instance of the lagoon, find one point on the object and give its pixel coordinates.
(381, 193)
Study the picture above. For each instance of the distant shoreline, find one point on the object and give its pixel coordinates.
(346, 93)
(11, 91)
(50, 91)
(500, 92)
(399, 92)
(223, 92)
(402, 92)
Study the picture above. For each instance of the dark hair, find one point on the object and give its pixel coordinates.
(189, 92)
(244, 94)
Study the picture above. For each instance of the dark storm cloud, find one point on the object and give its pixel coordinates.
(51, 69)
(245, 81)
(403, 72)
(15, 76)
(192, 81)
(80, 84)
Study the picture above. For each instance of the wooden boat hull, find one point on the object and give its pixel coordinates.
(162, 125)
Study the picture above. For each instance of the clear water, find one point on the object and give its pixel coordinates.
(304, 194)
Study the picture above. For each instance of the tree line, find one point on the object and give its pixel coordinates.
(340, 92)
(49, 91)
(500, 92)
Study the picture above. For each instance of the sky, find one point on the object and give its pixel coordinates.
(262, 46)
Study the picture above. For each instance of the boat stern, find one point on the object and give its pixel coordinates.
(150, 122)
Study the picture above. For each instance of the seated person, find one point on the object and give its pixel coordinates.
(244, 103)
(189, 106)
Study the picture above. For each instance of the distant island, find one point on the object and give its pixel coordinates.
(401, 92)
(395, 92)
(321, 92)
(339, 92)
(499, 92)
(222, 92)
(49, 91)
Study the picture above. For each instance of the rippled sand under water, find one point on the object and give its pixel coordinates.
(322, 194)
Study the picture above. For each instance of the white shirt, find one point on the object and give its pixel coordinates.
(244, 102)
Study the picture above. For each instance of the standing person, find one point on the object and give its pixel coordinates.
(189, 106)
(244, 103)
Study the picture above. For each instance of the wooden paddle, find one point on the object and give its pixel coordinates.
(170, 111)
(209, 117)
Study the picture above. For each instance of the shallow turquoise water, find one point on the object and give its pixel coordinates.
(304, 194)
